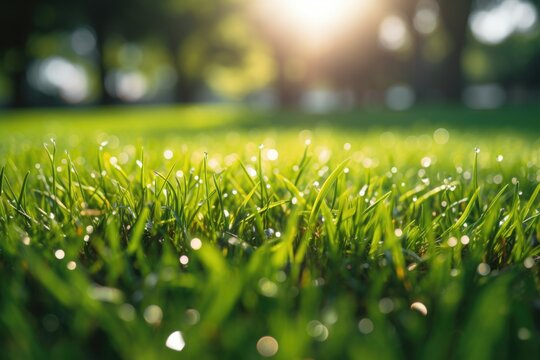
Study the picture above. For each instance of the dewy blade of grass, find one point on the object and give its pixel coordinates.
(165, 180)
(142, 182)
(265, 209)
(261, 177)
(377, 202)
(475, 179)
(79, 183)
(20, 199)
(221, 206)
(301, 167)
(52, 158)
(70, 187)
(293, 190)
(210, 216)
(330, 228)
(529, 205)
(530, 218)
(433, 192)
(323, 192)
(463, 216)
(246, 172)
(137, 232)
(2, 179)
(244, 203)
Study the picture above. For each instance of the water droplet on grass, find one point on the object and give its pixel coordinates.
(126, 312)
(268, 288)
(192, 316)
(483, 269)
(317, 330)
(59, 254)
(452, 241)
(524, 334)
(419, 307)
(386, 305)
(366, 326)
(426, 162)
(441, 136)
(267, 346)
(168, 154)
(272, 154)
(528, 262)
(269, 233)
(184, 260)
(175, 341)
(153, 314)
(196, 243)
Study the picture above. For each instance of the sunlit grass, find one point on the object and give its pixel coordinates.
(294, 241)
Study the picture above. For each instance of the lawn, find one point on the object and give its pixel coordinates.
(229, 233)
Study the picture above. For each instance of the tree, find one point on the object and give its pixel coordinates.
(455, 16)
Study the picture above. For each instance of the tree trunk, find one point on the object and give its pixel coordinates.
(455, 16)
(105, 97)
(20, 86)
(288, 91)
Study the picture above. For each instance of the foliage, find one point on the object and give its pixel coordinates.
(321, 239)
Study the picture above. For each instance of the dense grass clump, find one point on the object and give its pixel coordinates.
(139, 241)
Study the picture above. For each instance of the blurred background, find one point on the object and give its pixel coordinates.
(317, 55)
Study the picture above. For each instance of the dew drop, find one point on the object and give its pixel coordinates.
(175, 341)
(528, 263)
(386, 305)
(59, 254)
(126, 312)
(366, 326)
(196, 243)
(272, 154)
(483, 269)
(153, 314)
(267, 346)
(168, 154)
(419, 307)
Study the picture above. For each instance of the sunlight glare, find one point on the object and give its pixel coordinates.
(316, 14)
(314, 20)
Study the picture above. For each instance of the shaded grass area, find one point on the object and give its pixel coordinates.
(356, 235)
(223, 118)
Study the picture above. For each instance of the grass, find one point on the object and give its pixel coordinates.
(356, 235)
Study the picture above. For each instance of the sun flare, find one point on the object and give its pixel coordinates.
(313, 19)
(316, 14)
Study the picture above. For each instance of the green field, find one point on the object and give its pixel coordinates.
(229, 233)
